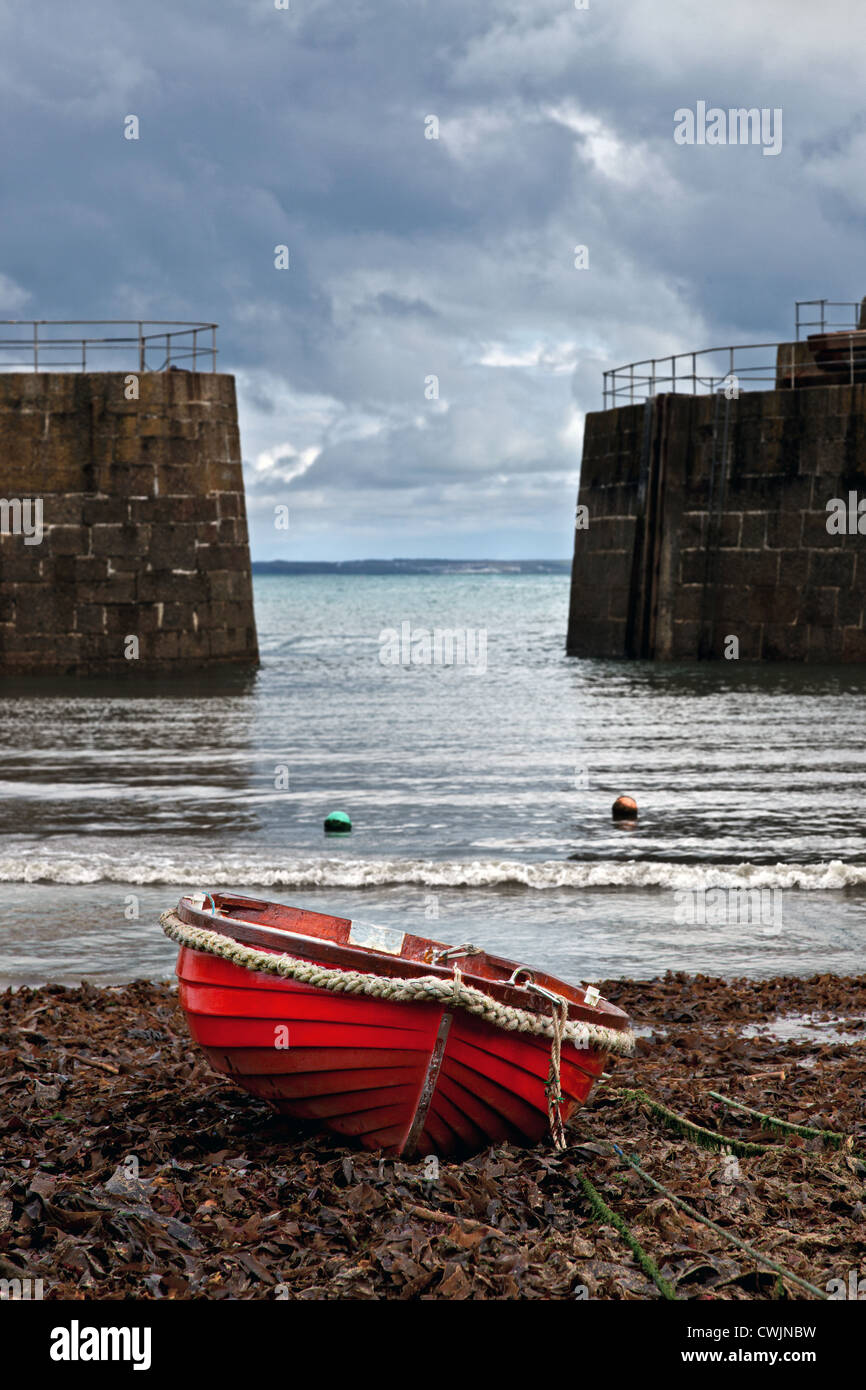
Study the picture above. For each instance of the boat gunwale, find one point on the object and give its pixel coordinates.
(334, 954)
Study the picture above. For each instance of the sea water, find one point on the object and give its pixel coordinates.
(479, 792)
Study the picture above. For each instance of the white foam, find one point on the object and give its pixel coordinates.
(265, 872)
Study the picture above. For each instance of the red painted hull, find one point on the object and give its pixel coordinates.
(403, 1078)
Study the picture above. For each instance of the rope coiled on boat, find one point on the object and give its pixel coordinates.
(425, 989)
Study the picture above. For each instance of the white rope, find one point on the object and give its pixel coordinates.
(427, 988)
(553, 1089)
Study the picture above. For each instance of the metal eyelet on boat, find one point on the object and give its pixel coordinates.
(535, 988)
(548, 994)
(521, 970)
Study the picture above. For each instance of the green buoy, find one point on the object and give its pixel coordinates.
(337, 823)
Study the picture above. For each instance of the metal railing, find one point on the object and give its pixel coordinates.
(822, 323)
(712, 369)
(680, 372)
(725, 368)
(170, 341)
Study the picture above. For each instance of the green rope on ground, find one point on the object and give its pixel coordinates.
(602, 1211)
(726, 1235)
(706, 1138)
(831, 1137)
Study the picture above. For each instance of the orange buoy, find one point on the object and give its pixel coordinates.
(624, 808)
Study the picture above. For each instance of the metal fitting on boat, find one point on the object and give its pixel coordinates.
(450, 951)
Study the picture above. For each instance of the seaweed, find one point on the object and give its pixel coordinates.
(129, 1169)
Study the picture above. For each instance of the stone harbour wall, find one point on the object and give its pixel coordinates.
(144, 532)
(707, 520)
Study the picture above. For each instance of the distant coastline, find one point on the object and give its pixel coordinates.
(411, 566)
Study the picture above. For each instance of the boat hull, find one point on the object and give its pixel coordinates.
(403, 1079)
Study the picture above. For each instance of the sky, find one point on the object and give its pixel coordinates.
(415, 382)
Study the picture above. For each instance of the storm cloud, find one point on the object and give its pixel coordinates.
(416, 381)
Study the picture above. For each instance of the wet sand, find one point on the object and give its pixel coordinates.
(128, 1169)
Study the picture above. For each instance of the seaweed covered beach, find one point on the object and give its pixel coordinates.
(129, 1169)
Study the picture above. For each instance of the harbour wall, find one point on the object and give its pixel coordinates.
(143, 520)
(706, 519)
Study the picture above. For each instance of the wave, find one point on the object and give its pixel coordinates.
(243, 872)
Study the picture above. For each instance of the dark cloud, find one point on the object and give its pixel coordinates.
(395, 306)
(414, 258)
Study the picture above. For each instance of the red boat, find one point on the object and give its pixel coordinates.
(401, 1044)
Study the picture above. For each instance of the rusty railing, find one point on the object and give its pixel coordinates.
(150, 345)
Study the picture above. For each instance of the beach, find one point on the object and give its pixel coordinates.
(131, 1170)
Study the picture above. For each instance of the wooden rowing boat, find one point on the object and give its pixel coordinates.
(462, 1063)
